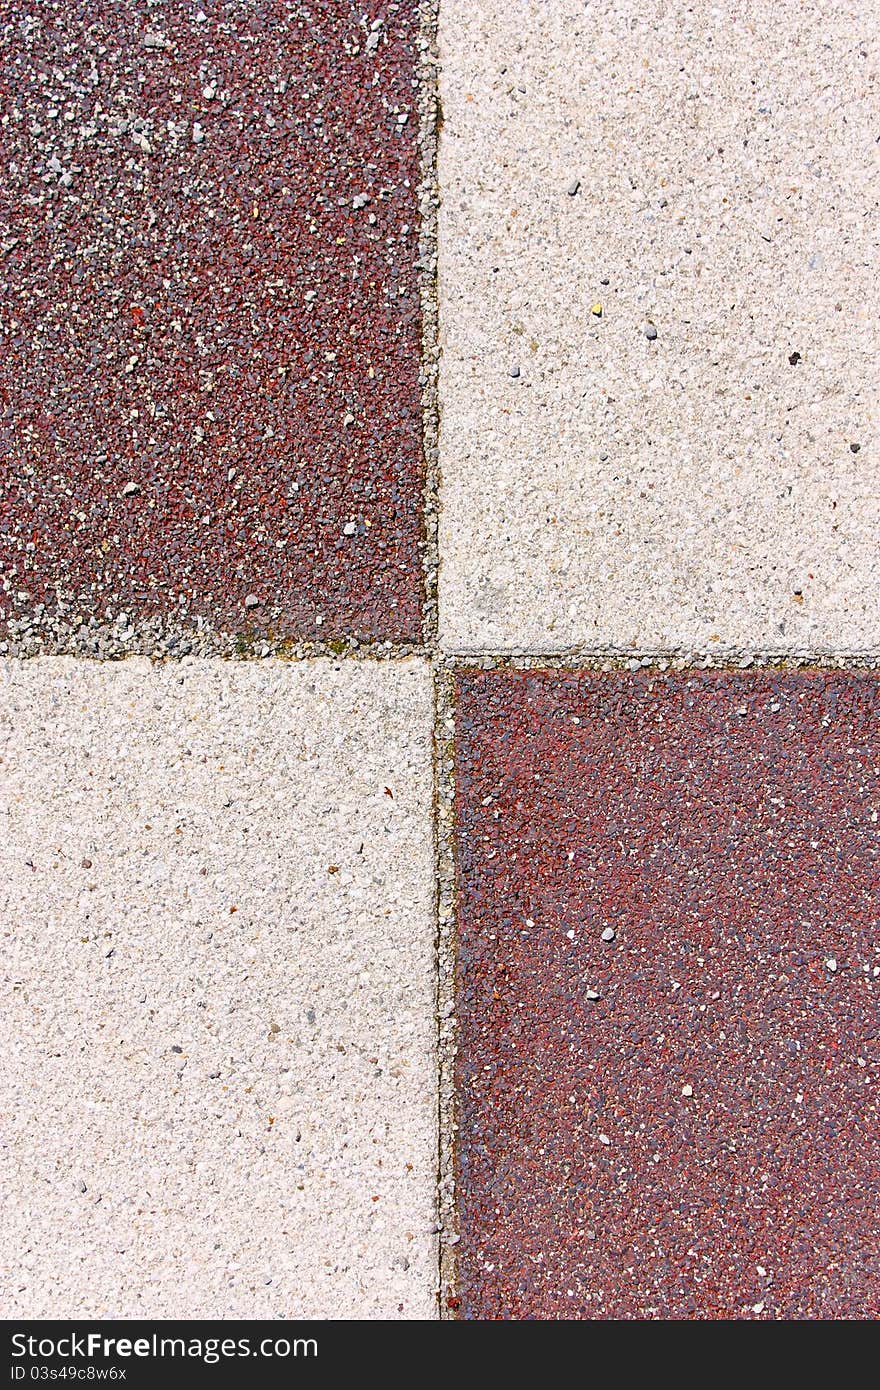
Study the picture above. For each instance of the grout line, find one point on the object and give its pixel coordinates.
(679, 659)
(170, 645)
(443, 680)
(444, 830)
(163, 644)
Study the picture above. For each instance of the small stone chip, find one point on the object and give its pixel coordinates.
(831, 965)
(251, 601)
(573, 188)
(650, 330)
(609, 934)
(130, 489)
(596, 311)
(687, 1090)
(514, 372)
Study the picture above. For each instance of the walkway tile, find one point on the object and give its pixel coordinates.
(669, 1043)
(659, 379)
(218, 1079)
(209, 397)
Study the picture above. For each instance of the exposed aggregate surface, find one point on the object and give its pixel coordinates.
(651, 1029)
(668, 967)
(218, 1087)
(659, 378)
(209, 381)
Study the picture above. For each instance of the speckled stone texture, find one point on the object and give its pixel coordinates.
(218, 1079)
(707, 173)
(209, 396)
(682, 1120)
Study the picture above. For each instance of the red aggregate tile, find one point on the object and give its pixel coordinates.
(209, 383)
(701, 1139)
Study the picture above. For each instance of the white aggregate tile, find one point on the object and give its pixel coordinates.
(604, 490)
(218, 1074)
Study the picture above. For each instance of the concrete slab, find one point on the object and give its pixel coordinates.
(210, 410)
(667, 994)
(658, 261)
(218, 1081)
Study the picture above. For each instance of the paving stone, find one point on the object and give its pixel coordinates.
(685, 454)
(681, 1121)
(218, 1074)
(209, 377)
